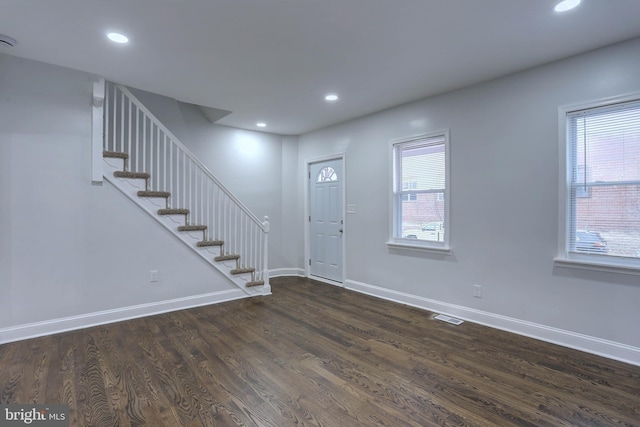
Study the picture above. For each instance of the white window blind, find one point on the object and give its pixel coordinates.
(604, 181)
(420, 184)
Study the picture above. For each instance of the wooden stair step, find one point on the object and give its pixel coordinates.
(173, 211)
(192, 228)
(227, 257)
(115, 155)
(254, 283)
(206, 243)
(134, 175)
(242, 270)
(163, 194)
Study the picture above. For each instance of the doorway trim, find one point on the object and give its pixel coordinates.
(307, 212)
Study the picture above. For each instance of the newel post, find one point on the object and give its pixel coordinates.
(97, 130)
(266, 288)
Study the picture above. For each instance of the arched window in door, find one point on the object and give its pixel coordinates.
(327, 174)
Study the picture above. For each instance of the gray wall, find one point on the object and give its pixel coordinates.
(6, 234)
(504, 198)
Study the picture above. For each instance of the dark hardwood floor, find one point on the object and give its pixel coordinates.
(314, 354)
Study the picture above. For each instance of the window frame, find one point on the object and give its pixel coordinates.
(397, 242)
(410, 197)
(564, 257)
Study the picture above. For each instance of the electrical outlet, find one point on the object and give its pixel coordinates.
(153, 276)
(477, 291)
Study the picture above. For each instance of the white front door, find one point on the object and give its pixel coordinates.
(326, 222)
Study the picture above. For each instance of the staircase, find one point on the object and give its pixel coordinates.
(145, 161)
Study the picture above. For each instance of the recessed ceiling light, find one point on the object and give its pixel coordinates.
(261, 124)
(566, 5)
(118, 38)
(331, 97)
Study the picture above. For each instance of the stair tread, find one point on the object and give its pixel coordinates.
(227, 257)
(254, 283)
(192, 228)
(242, 270)
(173, 211)
(143, 193)
(128, 174)
(205, 243)
(115, 155)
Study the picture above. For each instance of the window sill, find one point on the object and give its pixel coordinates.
(419, 248)
(596, 266)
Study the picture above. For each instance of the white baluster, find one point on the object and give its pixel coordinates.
(162, 185)
(265, 255)
(122, 123)
(235, 229)
(171, 173)
(184, 179)
(137, 164)
(114, 120)
(217, 212)
(129, 120)
(107, 120)
(156, 172)
(143, 167)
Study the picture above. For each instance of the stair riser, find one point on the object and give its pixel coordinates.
(176, 220)
(114, 164)
(132, 184)
(231, 264)
(154, 201)
(244, 277)
(196, 236)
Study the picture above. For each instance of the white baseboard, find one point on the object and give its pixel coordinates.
(49, 327)
(282, 272)
(601, 347)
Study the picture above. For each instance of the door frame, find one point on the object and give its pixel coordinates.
(307, 212)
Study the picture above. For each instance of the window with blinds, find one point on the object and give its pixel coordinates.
(603, 148)
(420, 190)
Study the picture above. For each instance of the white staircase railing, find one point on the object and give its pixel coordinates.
(129, 127)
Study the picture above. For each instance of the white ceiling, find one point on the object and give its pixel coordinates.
(274, 60)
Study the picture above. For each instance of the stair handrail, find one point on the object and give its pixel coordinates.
(191, 156)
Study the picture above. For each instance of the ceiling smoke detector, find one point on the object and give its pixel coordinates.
(6, 40)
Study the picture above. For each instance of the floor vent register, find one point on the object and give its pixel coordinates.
(448, 319)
